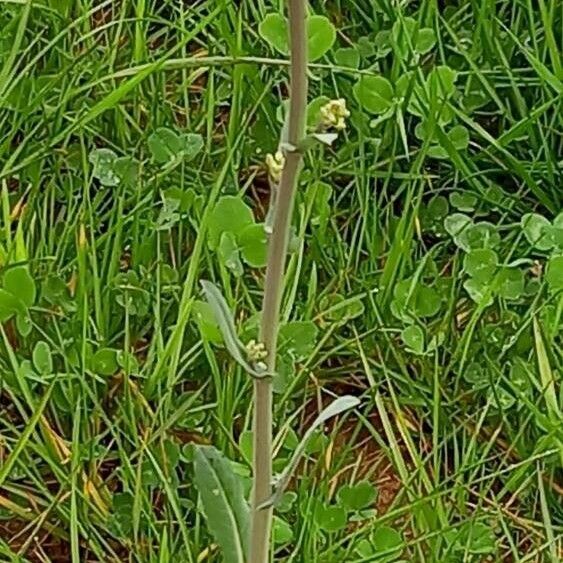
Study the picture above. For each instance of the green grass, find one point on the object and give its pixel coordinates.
(455, 351)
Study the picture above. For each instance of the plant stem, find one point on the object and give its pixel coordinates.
(274, 284)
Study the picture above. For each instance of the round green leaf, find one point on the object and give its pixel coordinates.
(321, 35)
(413, 337)
(23, 323)
(273, 29)
(374, 94)
(230, 214)
(348, 57)
(358, 496)
(192, 143)
(126, 169)
(441, 82)
(479, 235)
(103, 161)
(479, 291)
(387, 539)
(9, 305)
(456, 223)
(510, 283)
(165, 144)
(536, 229)
(425, 40)
(299, 337)
(282, 532)
(463, 201)
(42, 360)
(459, 137)
(229, 253)
(437, 207)
(427, 301)
(554, 273)
(481, 263)
(254, 245)
(330, 518)
(104, 361)
(18, 282)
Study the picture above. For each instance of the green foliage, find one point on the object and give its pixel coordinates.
(425, 277)
(330, 518)
(253, 245)
(104, 361)
(348, 57)
(17, 295)
(111, 170)
(358, 496)
(384, 542)
(408, 38)
(321, 34)
(298, 338)
(374, 94)
(42, 360)
(554, 273)
(166, 145)
(223, 503)
(224, 320)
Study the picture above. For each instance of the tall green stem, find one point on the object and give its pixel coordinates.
(277, 251)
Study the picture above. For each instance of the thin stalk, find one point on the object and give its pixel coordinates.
(277, 251)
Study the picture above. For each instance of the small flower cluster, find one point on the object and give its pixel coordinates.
(275, 164)
(334, 114)
(256, 351)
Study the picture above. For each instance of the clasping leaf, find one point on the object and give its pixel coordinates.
(223, 503)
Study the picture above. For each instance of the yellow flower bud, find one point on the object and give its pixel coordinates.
(275, 164)
(334, 114)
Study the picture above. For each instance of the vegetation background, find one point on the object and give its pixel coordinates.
(426, 277)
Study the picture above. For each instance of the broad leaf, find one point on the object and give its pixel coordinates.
(9, 305)
(298, 337)
(330, 518)
(510, 283)
(229, 253)
(254, 245)
(103, 162)
(536, 229)
(273, 28)
(42, 360)
(18, 282)
(425, 40)
(358, 496)
(463, 201)
(321, 36)
(223, 503)
(192, 143)
(104, 361)
(165, 144)
(413, 337)
(481, 264)
(456, 223)
(554, 273)
(348, 57)
(374, 94)
(230, 214)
